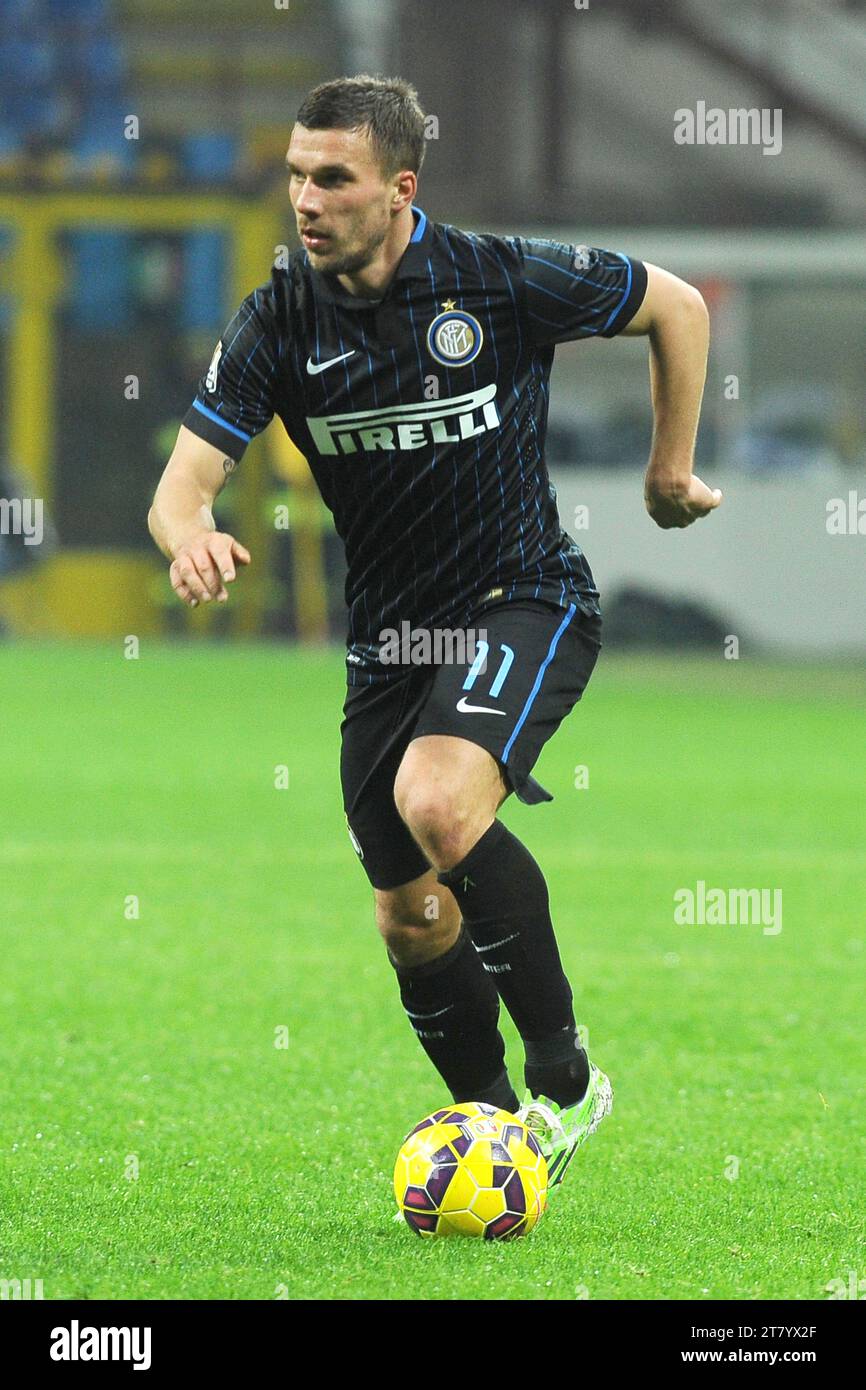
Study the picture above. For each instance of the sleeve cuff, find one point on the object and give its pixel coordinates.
(634, 298)
(208, 426)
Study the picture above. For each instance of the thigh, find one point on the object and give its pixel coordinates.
(376, 729)
(450, 767)
(528, 673)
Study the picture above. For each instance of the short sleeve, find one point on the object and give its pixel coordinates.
(578, 291)
(235, 397)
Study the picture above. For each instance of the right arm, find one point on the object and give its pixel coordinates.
(234, 402)
(203, 559)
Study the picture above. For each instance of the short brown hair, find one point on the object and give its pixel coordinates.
(385, 106)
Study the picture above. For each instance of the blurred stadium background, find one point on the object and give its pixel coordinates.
(142, 195)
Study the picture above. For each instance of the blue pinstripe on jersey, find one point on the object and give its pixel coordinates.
(432, 530)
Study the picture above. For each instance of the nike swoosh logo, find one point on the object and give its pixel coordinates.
(315, 367)
(493, 944)
(465, 708)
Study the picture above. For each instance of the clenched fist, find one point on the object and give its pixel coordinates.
(678, 502)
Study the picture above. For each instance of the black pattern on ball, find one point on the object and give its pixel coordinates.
(425, 1124)
(515, 1196)
(421, 1221)
(418, 1198)
(439, 1182)
(532, 1143)
(503, 1226)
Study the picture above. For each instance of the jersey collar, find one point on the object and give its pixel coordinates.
(412, 266)
(413, 262)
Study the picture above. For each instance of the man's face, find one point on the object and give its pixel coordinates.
(341, 198)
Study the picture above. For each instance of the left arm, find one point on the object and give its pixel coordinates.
(674, 318)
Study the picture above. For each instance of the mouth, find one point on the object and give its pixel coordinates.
(314, 241)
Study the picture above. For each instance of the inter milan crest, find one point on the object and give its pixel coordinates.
(454, 337)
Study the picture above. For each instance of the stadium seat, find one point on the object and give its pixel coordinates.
(210, 157)
(204, 282)
(93, 13)
(100, 279)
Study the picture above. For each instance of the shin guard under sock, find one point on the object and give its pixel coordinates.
(503, 899)
(453, 1007)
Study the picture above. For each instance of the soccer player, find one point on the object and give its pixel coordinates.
(410, 362)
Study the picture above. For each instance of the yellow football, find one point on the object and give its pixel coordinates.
(471, 1170)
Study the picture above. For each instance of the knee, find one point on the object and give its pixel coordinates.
(438, 817)
(415, 938)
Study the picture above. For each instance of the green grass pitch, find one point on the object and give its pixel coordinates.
(155, 1143)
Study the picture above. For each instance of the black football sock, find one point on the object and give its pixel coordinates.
(453, 1008)
(558, 1067)
(504, 902)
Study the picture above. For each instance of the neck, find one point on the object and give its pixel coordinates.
(373, 279)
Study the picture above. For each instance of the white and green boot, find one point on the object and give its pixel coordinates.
(560, 1130)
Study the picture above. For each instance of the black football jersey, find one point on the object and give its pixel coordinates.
(423, 416)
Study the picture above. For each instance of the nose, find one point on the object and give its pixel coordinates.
(306, 201)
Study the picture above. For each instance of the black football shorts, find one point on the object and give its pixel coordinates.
(508, 696)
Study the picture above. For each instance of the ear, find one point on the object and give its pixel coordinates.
(405, 188)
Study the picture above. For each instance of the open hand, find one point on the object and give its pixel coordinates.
(204, 565)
